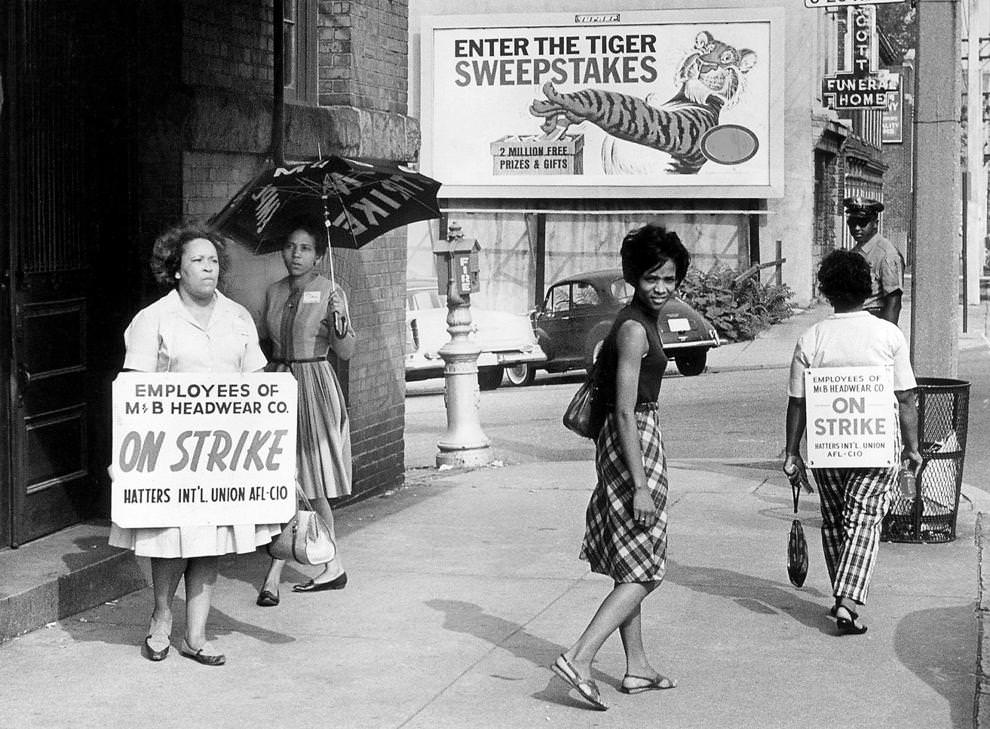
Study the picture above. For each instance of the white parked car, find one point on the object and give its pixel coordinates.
(506, 340)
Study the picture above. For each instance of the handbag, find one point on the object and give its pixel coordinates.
(797, 547)
(585, 413)
(306, 538)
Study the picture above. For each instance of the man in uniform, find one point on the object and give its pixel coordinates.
(886, 263)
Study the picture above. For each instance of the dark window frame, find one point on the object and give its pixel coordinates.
(301, 62)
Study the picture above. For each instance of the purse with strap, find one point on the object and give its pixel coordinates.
(306, 539)
(797, 547)
(585, 414)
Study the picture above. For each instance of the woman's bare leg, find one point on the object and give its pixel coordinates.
(165, 576)
(637, 664)
(334, 568)
(201, 576)
(274, 576)
(617, 608)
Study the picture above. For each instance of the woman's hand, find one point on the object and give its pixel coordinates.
(793, 463)
(644, 510)
(911, 459)
(338, 311)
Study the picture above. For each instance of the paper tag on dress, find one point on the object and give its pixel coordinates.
(311, 297)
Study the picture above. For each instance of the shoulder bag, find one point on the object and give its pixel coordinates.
(306, 539)
(585, 414)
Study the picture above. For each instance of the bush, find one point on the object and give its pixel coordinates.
(738, 306)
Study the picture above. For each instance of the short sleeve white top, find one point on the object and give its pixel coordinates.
(854, 339)
(164, 337)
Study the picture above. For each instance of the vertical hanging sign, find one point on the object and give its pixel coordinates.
(862, 46)
(892, 119)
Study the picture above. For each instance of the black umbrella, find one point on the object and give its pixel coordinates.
(355, 200)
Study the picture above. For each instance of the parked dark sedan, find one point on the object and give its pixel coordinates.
(577, 314)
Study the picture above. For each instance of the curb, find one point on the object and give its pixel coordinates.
(981, 699)
(63, 574)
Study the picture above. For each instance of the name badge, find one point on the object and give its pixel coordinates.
(311, 297)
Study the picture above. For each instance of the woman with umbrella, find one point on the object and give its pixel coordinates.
(305, 316)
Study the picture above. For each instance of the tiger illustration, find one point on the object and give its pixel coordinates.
(710, 78)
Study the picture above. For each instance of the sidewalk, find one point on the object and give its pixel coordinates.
(465, 588)
(466, 585)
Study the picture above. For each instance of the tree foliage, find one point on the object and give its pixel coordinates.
(899, 22)
(739, 306)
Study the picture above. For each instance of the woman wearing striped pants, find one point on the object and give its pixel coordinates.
(853, 500)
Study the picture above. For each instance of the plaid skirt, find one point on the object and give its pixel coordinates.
(614, 544)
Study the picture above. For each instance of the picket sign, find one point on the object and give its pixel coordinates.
(203, 449)
(852, 418)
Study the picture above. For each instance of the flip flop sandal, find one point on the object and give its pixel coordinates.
(658, 683)
(585, 686)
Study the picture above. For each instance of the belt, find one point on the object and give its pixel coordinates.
(641, 407)
(298, 361)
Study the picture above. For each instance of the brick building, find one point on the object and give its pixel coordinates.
(119, 119)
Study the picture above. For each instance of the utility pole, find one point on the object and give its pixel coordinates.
(976, 199)
(937, 210)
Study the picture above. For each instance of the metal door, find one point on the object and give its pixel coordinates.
(53, 207)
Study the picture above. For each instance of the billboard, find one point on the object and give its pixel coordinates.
(632, 104)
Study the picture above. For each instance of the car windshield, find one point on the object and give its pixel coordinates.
(621, 291)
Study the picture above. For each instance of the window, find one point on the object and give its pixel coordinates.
(560, 298)
(622, 291)
(299, 58)
(585, 294)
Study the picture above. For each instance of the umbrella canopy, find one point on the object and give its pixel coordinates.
(356, 200)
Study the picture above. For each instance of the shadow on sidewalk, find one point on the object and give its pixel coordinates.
(937, 646)
(755, 593)
(470, 619)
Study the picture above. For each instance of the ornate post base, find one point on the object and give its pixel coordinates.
(464, 443)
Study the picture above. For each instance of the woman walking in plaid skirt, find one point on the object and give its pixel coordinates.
(853, 500)
(626, 532)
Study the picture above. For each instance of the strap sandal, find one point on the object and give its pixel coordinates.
(632, 684)
(848, 626)
(585, 686)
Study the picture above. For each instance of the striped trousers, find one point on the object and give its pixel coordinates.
(853, 503)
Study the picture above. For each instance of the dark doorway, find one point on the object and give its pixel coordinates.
(64, 202)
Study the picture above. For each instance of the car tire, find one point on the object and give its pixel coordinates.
(490, 378)
(520, 375)
(690, 364)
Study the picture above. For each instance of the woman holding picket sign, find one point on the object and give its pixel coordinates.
(853, 500)
(193, 328)
(305, 318)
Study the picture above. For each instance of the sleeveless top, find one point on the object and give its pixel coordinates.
(653, 364)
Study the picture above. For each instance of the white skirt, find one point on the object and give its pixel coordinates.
(193, 541)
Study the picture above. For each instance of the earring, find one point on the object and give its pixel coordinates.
(178, 275)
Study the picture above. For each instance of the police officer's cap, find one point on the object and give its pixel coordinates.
(861, 207)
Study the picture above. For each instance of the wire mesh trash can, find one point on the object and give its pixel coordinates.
(930, 514)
